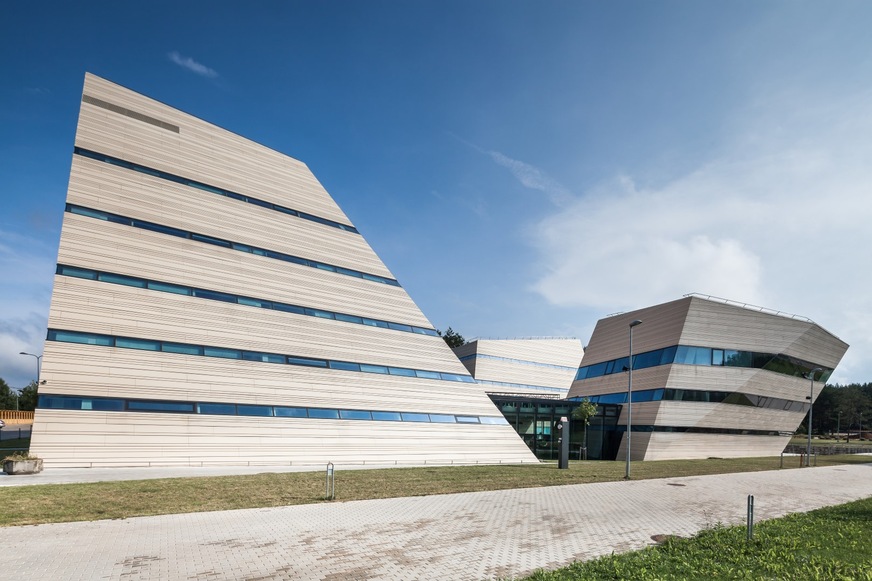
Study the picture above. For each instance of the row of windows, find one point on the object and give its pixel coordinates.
(211, 189)
(225, 353)
(115, 218)
(524, 385)
(686, 355)
(106, 404)
(696, 430)
(728, 397)
(521, 361)
(231, 298)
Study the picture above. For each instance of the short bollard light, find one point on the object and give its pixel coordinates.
(750, 516)
(330, 486)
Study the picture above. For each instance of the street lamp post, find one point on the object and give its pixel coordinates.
(630, 398)
(810, 407)
(38, 364)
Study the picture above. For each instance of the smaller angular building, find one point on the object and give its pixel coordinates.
(710, 378)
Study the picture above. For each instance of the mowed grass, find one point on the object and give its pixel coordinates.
(23, 505)
(829, 543)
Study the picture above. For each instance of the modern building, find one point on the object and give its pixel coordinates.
(711, 378)
(214, 305)
(528, 380)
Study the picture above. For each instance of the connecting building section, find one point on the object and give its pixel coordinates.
(710, 378)
(214, 305)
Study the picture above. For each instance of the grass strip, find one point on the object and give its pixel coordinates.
(25, 505)
(828, 543)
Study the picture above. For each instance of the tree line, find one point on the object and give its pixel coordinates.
(12, 400)
(843, 408)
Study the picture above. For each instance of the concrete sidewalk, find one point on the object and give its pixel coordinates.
(483, 535)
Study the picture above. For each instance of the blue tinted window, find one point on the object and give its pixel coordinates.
(354, 415)
(119, 279)
(215, 296)
(257, 202)
(667, 355)
(349, 318)
(263, 357)
(286, 210)
(323, 413)
(467, 419)
(182, 348)
(103, 405)
(387, 416)
(306, 361)
(160, 406)
(423, 331)
(159, 228)
(87, 212)
(77, 272)
(169, 288)
(344, 365)
(374, 369)
(442, 419)
(323, 266)
(453, 377)
(290, 412)
(399, 327)
(410, 417)
(145, 344)
(85, 338)
(401, 371)
(375, 323)
(221, 409)
(717, 356)
(222, 352)
(254, 410)
(319, 313)
(427, 374)
(493, 420)
(289, 308)
(254, 302)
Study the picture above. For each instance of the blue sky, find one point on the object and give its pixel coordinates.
(524, 168)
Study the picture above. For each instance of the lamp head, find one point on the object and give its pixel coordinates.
(635, 323)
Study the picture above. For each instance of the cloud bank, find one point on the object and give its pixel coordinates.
(779, 217)
(192, 65)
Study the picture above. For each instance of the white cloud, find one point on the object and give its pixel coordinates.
(780, 217)
(533, 178)
(192, 65)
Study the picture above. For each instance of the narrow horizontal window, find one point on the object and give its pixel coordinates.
(289, 309)
(214, 296)
(320, 314)
(144, 344)
(181, 348)
(263, 357)
(411, 417)
(210, 240)
(354, 415)
(221, 352)
(374, 323)
(349, 319)
(287, 412)
(428, 374)
(254, 410)
(399, 327)
(387, 416)
(307, 362)
(323, 414)
(402, 371)
(77, 272)
(169, 288)
(374, 369)
(160, 406)
(491, 420)
(86, 338)
(220, 409)
(467, 419)
(120, 279)
(345, 365)
(254, 302)
(159, 228)
(442, 419)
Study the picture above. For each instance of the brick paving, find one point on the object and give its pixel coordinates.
(484, 535)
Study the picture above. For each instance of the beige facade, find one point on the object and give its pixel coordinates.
(731, 380)
(170, 301)
(536, 367)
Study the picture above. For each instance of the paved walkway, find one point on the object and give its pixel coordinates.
(482, 535)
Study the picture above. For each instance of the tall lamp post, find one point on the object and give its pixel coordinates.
(38, 363)
(810, 407)
(630, 398)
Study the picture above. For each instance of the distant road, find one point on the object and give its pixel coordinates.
(11, 431)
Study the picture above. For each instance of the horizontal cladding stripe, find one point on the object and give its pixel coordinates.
(89, 274)
(129, 113)
(152, 227)
(701, 396)
(142, 344)
(106, 404)
(519, 385)
(521, 361)
(155, 256)
(212, 189)
(708, 356)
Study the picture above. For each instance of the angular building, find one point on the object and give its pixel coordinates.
(214, 305)
(540, 366)
(710, 378)
(528, 380)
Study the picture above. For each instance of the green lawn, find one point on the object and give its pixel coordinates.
(14, 443)
(799, 441)
(79, 502)
(830, 543)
